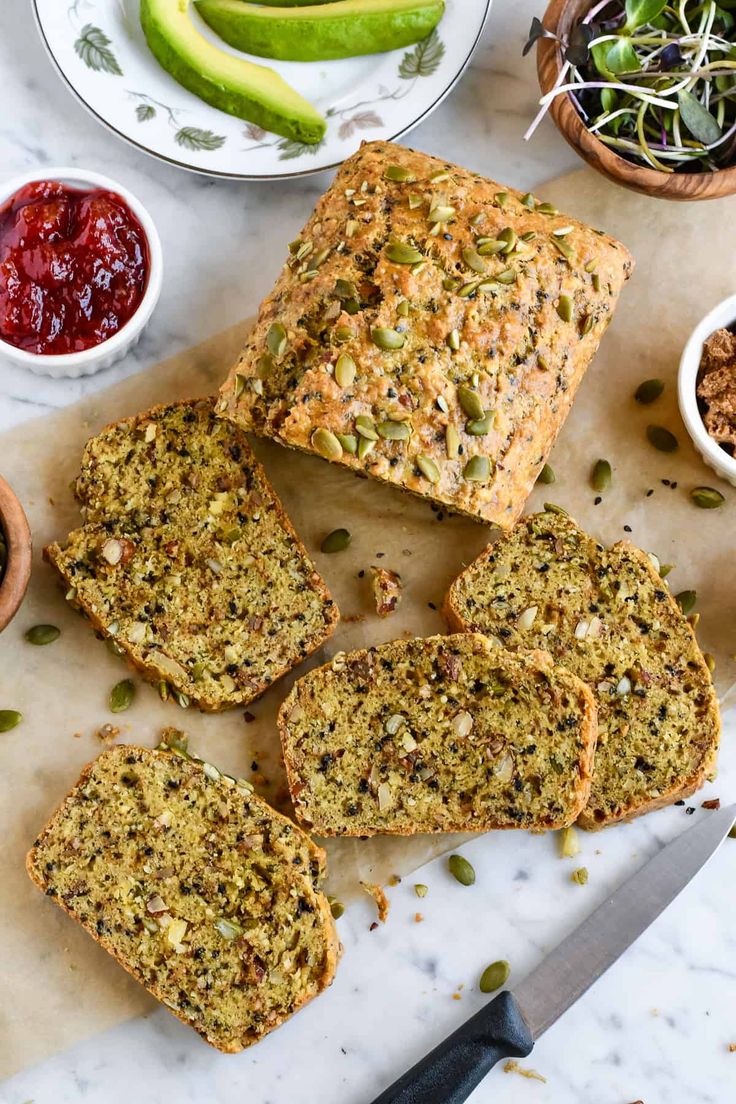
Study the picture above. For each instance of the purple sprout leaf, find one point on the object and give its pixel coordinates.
(671, 57)
(698, 119)
(578, 47)
(536, 31)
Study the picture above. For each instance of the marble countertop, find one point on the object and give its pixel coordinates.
(658, 1026)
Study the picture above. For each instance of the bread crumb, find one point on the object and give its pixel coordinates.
(512, 1066)
(418, 917)
(714, 803)
(378, 895)
(107, 733)
(386, 590)
(732, 1048)
(456, 996)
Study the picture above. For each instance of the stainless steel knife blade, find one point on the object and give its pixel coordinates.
(580, 959)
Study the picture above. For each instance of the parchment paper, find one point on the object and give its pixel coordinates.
(57, 985)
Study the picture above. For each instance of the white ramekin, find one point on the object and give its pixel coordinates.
(721, 317)
(114, 348)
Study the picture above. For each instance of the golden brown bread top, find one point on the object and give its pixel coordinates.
(453, 317)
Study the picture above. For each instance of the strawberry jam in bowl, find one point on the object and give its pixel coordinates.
(80, 271)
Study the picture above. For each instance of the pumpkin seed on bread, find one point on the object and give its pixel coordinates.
(607, 615)
(199, 889)
(187, 559)
(429, 329)
(445, 734)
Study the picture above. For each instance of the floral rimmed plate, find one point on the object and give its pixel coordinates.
(100, 52)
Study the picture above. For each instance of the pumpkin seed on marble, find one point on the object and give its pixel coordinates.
(479, 427)
(428, 468)
(707, 498)
(546, 475)
(471, 402)
(565, 308)
(394, 431)
(402, 253)
(326, 444)
(600, 477)
(662, 439)
(366, 427)
(686, 600)
(649, 391)
(336, 541)
(461, 870)
(121, 696)
(399, 174)
(345, 370)
(494, 976)
(421, 890)
(9, 718)
(276, 340)
(349, 442)
(43, 634)
(477, 469)
(386, 338)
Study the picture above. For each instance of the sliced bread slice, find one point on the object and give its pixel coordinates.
(187, 559)
(199, 889)
(447, 734)
(607, 616)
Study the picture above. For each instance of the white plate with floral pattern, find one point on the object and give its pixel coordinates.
(100, 52)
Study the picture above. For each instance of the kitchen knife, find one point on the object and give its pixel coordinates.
(510, 1024)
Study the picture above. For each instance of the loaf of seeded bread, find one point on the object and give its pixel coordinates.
(447, 734)
(607, 615)
(187, 559)
(430, 329)
(200, 890)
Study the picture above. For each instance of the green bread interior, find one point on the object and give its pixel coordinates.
(214, 593)
(205, 894)
(444, 734)
(608, 617)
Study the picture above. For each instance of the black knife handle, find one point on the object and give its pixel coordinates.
(449, 1073)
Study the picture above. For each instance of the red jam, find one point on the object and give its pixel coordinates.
(73, 267)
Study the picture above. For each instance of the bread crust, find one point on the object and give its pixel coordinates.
(686, 786)
(149, 669)
(536, 660)
(513, 347)
(333, 946)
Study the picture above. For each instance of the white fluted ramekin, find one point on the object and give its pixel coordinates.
(721, 317)
(67, 365)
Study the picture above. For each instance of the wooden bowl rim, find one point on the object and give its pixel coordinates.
(652, 182)
(18, 538)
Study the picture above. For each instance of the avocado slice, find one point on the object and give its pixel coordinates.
(322, 32)
(240, 87)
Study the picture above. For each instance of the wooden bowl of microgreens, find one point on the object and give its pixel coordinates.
(15, 554)
(644, 91)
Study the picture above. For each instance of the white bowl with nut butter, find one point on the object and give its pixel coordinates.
(721, 317)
